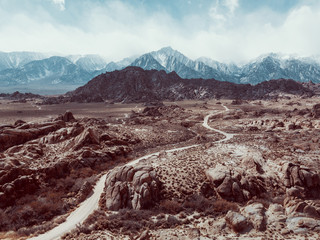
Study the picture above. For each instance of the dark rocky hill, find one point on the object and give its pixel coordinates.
(133, 84)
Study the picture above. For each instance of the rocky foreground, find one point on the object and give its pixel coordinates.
(261, 184)
(47, 168)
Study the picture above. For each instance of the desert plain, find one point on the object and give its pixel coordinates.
(214, 169)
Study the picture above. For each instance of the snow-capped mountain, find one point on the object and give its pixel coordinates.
(49, 71)
(147, 62)
(89, 62)
(274, 66)
(265, 67)
(18, 59)
(228, 69)
(171, 60)
(112, 66)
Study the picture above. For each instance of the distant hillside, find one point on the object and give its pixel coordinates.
(133, 84)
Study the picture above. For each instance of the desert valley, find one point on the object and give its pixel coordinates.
(171, 165)
(159, 120)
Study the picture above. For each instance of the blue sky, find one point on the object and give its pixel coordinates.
(225, 30)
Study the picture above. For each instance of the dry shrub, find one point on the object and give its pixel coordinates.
(125, 221)
(198, 203)
(222, 206)
(171, 206)
(172, 221)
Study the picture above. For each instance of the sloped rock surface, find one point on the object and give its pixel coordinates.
(301, 181)
(87, 137)
(232, 185)
(10, 137)
(132, 187)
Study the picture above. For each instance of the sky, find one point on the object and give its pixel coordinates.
(224, 30)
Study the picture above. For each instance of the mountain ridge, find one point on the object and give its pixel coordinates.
(79, 69)
(134, 84)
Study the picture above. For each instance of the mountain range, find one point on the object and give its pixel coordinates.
(48, 73)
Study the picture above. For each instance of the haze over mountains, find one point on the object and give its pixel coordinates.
(46, 74)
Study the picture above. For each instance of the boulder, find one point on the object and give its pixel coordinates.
(237, 221)
(87, 137)
(68, 116)
(132, 187)
(255, 213)
(151, 111)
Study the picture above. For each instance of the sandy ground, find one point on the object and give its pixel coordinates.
(30, 111)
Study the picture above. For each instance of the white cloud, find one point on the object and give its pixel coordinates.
(60, 4)
(223, 10)
(232, 5)
(117, 30)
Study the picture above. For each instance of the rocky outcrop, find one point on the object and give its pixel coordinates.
(20, 96)
(151, 111)
(87, 137)
(66, 117)
(132, 187)
(298, 207)
(232, 185)
(16, 188)
(300, 181)
(14, 136)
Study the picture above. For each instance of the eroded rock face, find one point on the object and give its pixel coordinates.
(26, 132)
(20, 186)
(132, 187)
(232, 185)
(301, 182)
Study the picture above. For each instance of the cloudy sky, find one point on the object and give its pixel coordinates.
(225, 30)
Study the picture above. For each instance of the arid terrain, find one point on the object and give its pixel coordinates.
(209, 169)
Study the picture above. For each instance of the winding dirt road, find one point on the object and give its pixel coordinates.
(88, 206)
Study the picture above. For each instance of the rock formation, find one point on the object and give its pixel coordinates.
(232, 184)
(132, 187)
(301, 181)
